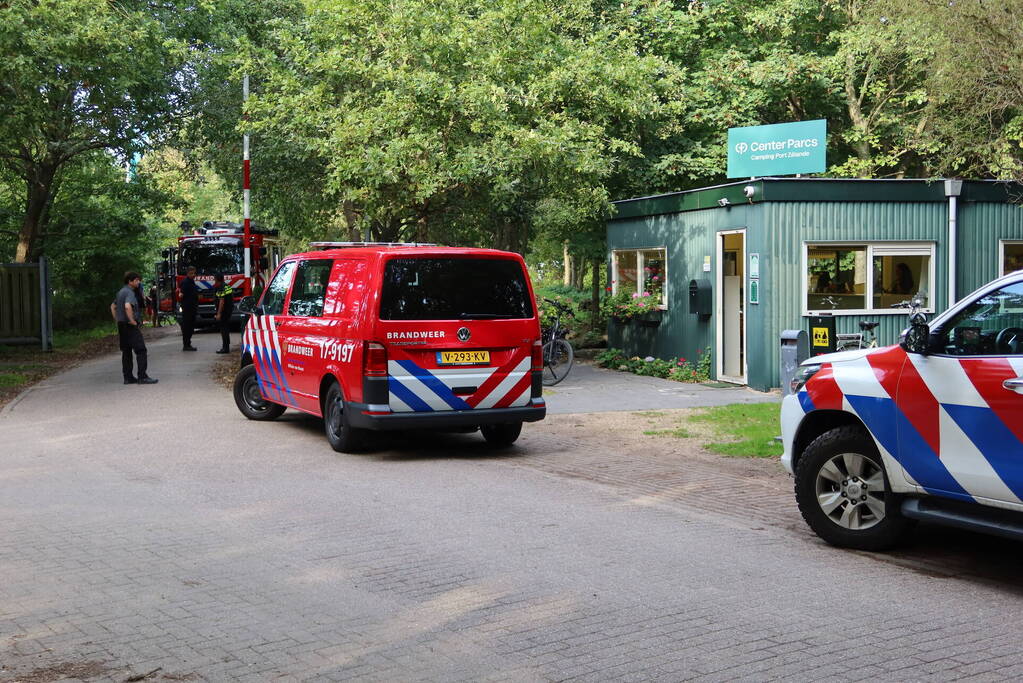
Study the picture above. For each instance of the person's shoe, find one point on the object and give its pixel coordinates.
(148, 380)
(189, 348)
(223, 350)
(130, 380)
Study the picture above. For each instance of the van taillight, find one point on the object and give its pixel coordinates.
(374, 359)
(537, 356)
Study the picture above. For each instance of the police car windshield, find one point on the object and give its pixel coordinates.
(434, 288)
(211, 259)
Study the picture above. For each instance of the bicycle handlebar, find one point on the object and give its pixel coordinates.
(561, 307)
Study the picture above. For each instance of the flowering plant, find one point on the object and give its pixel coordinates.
(627, 305)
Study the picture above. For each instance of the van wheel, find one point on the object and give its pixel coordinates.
(501, 435)
(248, 399)
(843, 493)
(342, 437)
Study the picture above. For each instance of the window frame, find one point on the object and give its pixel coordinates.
(639, 269)
(899, 248)
(1000, 265)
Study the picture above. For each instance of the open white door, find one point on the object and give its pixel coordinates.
(730, 294)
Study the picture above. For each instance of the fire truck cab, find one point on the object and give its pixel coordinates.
(219, 247)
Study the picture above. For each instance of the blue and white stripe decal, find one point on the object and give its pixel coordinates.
(416, 389)
(262, 342)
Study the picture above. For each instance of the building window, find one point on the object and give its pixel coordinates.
(867, 277)
(1012, 257)
(640, 271)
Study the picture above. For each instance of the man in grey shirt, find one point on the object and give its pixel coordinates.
(129, 317)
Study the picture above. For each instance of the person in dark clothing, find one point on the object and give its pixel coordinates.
(127, 310)
(153, 305)
(225, 307)
(903, 279)
(189, 308)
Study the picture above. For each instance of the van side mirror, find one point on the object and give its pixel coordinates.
(918, 337)
(248, 305)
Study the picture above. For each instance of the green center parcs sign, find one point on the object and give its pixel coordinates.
(781, 149)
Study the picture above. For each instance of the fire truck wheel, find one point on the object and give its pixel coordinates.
(501, 435)
(248, 399)
(342, 437)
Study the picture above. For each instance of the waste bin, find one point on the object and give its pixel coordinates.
(794, 349)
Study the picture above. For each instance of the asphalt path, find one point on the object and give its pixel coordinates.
(153, 530)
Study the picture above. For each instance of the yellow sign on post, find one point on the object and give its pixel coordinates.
(822, 334)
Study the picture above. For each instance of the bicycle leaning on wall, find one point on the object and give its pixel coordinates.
(866, 339)
(557, 352)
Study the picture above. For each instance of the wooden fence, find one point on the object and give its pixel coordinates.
(26, 304)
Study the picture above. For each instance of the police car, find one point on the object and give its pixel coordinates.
(395, 336)
(930, 429)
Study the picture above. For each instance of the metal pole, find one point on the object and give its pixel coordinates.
(45, 306)
(953, 188)
(245, 190)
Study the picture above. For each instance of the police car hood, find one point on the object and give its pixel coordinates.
(842, 356)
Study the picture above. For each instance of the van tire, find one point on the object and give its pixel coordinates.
(341, 436)
(501, 435)
(248, 399)
(843, 493)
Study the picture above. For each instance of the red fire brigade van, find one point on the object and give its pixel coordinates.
(395, 336)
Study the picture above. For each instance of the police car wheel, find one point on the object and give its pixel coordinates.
(502, 434)
(248, 399)
(843, 493)
(342, 437)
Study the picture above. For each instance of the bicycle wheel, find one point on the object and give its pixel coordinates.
(557, 361)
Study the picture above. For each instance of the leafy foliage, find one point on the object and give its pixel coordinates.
(678, 369)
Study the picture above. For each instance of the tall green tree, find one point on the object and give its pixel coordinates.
(445, 119)
(85, 75)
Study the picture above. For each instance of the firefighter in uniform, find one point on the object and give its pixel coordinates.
(189, 308)
(225, 306)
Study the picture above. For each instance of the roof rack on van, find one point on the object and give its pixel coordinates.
(345, 245)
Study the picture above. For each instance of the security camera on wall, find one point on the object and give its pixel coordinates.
(749, 191)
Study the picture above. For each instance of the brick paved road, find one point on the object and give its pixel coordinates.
(230, 550)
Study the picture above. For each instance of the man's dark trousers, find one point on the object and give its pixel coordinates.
(187, 326)
(131, 340)
(225, 332)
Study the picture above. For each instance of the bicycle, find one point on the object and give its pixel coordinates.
(558, 354)
(865, 339)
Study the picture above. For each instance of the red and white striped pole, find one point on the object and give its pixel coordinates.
(247, 219)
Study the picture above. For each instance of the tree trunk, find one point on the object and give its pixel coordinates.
(595, 295)
(37, 196)
(854, 106)
(351, 221)
(567, 259)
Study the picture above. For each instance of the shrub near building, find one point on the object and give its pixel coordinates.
(677, 369)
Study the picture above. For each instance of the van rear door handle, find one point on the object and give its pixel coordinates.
(1014, 384)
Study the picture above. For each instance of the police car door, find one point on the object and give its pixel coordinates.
(961, 432)
(261, 339)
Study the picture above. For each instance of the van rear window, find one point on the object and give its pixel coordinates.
(454, 289)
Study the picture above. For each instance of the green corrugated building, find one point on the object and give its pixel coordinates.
(843, 248)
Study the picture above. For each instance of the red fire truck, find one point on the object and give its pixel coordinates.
(218, 247)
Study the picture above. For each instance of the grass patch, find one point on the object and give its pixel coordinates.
(678, 433)
(12, 379)
(744, 429)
